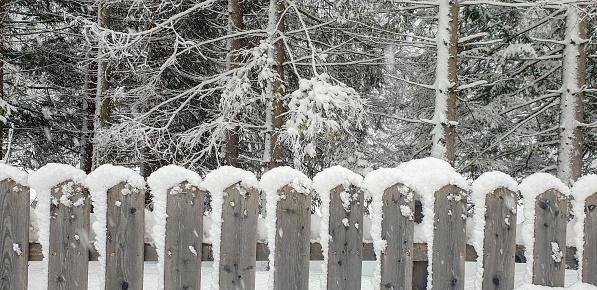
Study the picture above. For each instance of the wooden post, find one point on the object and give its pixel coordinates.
(589, 257)
(499, 244)
(293, 222)
(345, 254)
(239, 238)
(124, 240)
(184, 233)
(14, 235)
(398, 231)
(449, 238)
(69, 232)
(551, 219)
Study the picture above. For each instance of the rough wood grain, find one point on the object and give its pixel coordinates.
(124, 239)
(345, 252)
(449, 238)
(239, 238)
(589, 268)
(69, 242)
(184, 233)
(398, 230)
(499, 244)
(551, 219)
(293, 222)
(14, 230)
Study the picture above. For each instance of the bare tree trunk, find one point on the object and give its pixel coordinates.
(86, 155)
(570, 149)
(102, 101)
(277, 105)
(444, 116)
(2, 95)
(235, 24)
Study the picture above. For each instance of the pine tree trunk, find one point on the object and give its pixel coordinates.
(235, 23)
(445, 83)
(102, 101)
(570, 149)
(277, 150)
(86, 153)
(2, 95)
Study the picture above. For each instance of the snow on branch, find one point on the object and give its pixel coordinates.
(471, 85)
(320, 107)
(471, 37)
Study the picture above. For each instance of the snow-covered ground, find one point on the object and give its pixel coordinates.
(151, 276)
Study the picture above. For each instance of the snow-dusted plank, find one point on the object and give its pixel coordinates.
(293, 223)
(449, 238)
(119, 204)
(499, 243)
(551, 219)
(45, 181)
(14, 230)
(288, 222)
(234, 204)
(69, 242)
(346, 236)
(124, 237)
(239, 238)
(589, 268)
(584, 204)
(340, 230)
(494, 232)
(184, 225)
(398, 231)
(178, 210)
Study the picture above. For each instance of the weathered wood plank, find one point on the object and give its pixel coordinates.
(124, 239)
(449, 238)
(346, 244)
(499, 244)
(551, 219)
(184, 231)
(293, 221)
(589, 267)
(398, 231)
(14, 235)
(69, 224)
(239, 238)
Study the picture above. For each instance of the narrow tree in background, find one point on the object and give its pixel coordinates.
(235, 24)
(444, 117)
(570, 150)
(275, 108)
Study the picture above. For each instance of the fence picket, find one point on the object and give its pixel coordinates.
(14, 234)
(346, 232)
(449, 238)
(239, 238)
(184, 233)
(293, 221)
(69, 243)
(397, 230)
(499, 244)
(589, 268)
(124, 239)
(551, 219)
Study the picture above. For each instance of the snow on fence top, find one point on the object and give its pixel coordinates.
(582, 189)
(42, 181)
(530, 188)
(272, 181)
(160, 181)
(216, 182)
(323, 183)
(17, 175)
(484, 185)
(99, 182)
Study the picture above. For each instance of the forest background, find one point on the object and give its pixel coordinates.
(485, 85)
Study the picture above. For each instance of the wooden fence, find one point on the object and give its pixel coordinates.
(402, 264)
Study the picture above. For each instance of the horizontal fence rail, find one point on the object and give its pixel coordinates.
(422, 196)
